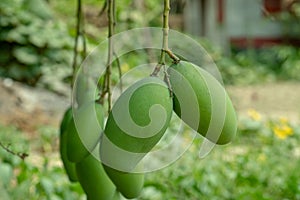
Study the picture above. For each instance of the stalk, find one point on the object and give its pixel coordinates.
(165, 49)
(111, 28)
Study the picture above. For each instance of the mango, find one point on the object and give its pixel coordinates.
(66, 119)
(84, 131)
(69, 166)
(129, 185)
(138, 120)
(94, 180)
(202, 102)
(85, 89)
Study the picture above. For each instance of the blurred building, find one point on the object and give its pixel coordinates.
(243, 23)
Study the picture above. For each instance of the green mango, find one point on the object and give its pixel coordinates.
(202, 102)
(93, 179)
(69, 166)
(138, 120)
(66, 119)
(129, 185)
(116, 196)
(85, 89)
(84, 131)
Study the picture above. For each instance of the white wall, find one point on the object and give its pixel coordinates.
(192, 17)
(244, 18)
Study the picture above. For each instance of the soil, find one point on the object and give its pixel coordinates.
(272, 100)
(27, 107)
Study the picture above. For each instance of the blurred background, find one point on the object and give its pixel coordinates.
(255, 45)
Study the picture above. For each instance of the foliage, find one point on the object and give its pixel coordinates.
(37, 177)
(290, 19)
(31, 41)
(261, 163)
(252, 66)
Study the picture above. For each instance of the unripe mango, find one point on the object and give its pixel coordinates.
(69, 166)
(94, 180)
(129, 185)
(66, 119)
(84, 88)
(84, 133)
(138, 120)
(202, 102)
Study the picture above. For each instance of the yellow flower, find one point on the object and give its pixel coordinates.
(283, 120)
(254, 114)
(282, 131)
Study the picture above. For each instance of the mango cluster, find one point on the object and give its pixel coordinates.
(138, 120)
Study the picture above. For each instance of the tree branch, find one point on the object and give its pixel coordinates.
(19, 154)
(103, 8)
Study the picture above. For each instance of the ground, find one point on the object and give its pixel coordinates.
(27, 107)
(272, 100)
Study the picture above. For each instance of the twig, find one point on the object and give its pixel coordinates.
(167, 80)
(119, 71)
(19, 154)
(78, 23)
(103, 8)
(165, 48)
(110, 15)
(82, 34)
(172, 56)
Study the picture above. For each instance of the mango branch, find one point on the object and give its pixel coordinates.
(165, 48)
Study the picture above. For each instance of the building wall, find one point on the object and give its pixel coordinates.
(245, 18)
(192, 17)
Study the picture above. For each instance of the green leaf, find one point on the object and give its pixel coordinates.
(26, 55)
(38, 7)
(37, 40)
(4, 194)
(6, 173)
(47, 185)
(4, 56)
(15, 35)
